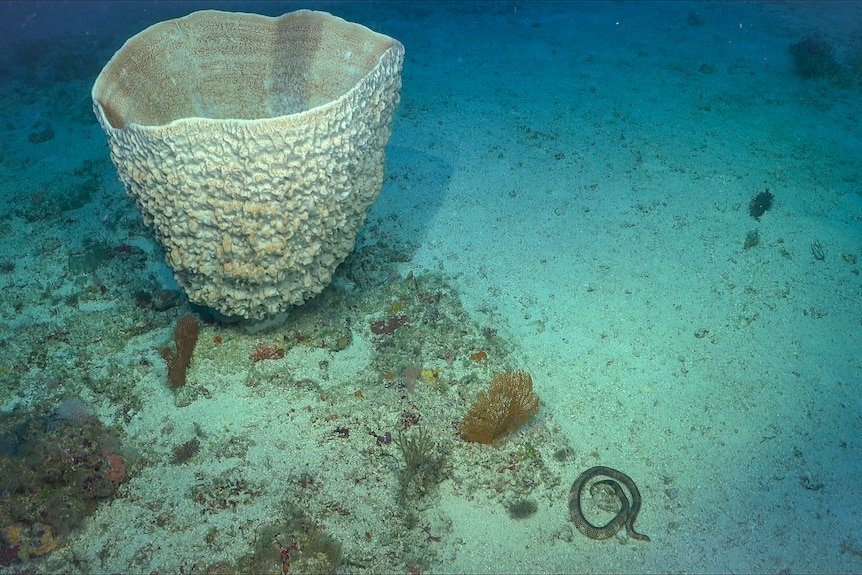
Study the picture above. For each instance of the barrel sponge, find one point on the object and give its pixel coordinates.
(253, 147)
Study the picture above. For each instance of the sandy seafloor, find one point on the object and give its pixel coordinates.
(578, 176)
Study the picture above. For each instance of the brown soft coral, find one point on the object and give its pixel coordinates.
(185, 338)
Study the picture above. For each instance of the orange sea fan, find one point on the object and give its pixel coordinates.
(508, 404)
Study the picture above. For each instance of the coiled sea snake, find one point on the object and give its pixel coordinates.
(625, 516)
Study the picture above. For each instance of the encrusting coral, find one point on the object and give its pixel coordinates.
(508, 405)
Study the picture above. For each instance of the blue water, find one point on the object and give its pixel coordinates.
(573, 185)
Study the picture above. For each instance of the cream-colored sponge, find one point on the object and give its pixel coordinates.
(253, 147)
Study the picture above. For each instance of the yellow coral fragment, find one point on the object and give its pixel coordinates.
(47, 543)
(430, 376)
(13, 535)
